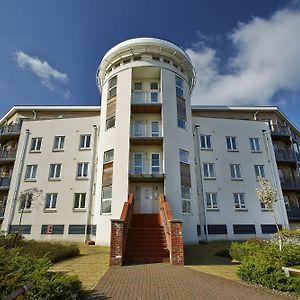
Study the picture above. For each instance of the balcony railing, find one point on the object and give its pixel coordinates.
(145, 98)
(280, 130)
(5, 182)
(2, 211)
(286, 155)
(290, 183)
(12, 129)
(146, 167)
(146, 130)
(6, 155)
(293, 212)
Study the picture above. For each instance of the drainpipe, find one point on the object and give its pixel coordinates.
(201, 188)
(254, 116)
(91, 185)
(19, 177)
(34, 114)
(275, 178)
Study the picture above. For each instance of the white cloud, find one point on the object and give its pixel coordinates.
(266, 61)
(41, 68)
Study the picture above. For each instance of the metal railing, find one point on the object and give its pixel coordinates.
(145, 98)
(10, 129)
(8, 154)
(145, 130)
(146, 167)
(280, 130)
(2, 211)
(5, 182)
(290, 182)
(20, 293)
(293, 212)
(286, 155)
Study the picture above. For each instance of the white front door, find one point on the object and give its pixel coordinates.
(146, 200)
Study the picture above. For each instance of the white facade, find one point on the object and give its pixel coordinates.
(146, 142)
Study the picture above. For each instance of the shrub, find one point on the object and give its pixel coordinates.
(17, 270)
(291, 255)
(239, 251)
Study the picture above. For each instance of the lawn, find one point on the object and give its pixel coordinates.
(90, 266)
(203, 258)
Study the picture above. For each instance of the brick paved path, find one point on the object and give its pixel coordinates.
(163, 281)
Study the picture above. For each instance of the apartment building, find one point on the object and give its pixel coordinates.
(148, 140)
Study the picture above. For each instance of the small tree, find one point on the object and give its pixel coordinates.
(26, 199)
(268, 196)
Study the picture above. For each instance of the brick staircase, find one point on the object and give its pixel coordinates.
(146, 241)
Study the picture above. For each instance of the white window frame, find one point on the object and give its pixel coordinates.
(239, 201)
(85, 141)
(139, 128)
(32, 173)
(255, 144)
(259, 171)
(27, 203)
(52, 201)
(80, 172)
(36, 144)
(106, 199)
(186, 200)
(211, 201)
(153, 132)
(235, 171)
(181, 121)
(108, 156)
(184, 156)
(154, 166)
(205, 142)
(81, 201)
(134, 166)
(231, 143)
(112, 87)
(211, 170)
(60, 141)
(179, 86)
(54, 171)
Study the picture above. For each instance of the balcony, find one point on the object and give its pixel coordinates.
(2, 211)
(146, 102)
(146, 134)
(12, 130)
(146, 170)
(286, 156)
(4, 183)
(7, 155)
(293, 213)
(290, 183)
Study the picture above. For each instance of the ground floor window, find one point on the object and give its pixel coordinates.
(106, 199)
(186, 199)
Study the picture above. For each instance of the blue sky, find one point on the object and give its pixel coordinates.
(245, 52)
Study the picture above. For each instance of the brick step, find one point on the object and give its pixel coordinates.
(146, 254)
(141, 247)
(145, 225)
(145, 260)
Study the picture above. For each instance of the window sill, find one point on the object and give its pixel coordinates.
(265, 210)
(35, 151)
(25, 211)
(58, 150)
(236, 179)
(209, 178)
(106, 214)
(84, 149)
(256, 151)
(187, 213)
(54, 179)
(82, 178)
(213, 209)
(241, 209)
(79, 210)
(30, 180)
(50, 210)
(232, 150)
(206, 149)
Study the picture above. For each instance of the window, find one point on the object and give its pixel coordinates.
(85, 141)
(51, 200)
(287, 203)
(110, 122)
(59, 143)
(112, 86)
(186, 199)
(235, 171)
(106, 199)
(108, 156)
(36, 144)
(82, 170)
(154, 92)
(79, 200)
(155, 163)
(138, 164)
(179, 86)
(181, 123)
(183, 156)
(26, 201)
(138, 129)
(31, 171)
(55, 170)
(255, 144)
(138, 86)
(209, 170)
(155, 132)
(263, 206)
(239, 201)
(259, 170)
(205, 141)
(231, 143)
(154, 86)
(211, 201)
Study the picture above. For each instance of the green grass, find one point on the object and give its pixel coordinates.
(90, 266)
(296, 267)
(203, 258)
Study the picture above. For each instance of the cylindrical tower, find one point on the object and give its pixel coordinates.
(146, 140)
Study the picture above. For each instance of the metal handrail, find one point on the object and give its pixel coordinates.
(19, 293)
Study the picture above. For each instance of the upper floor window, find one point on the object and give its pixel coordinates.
(36, 144)
(231, 143)
(209, 170)
(211, 201)
(51, 200)
(31, 171)
(106, 199)
(112, 87)
(26, 202)
(85, 141)
(239, 201)
(82, 170)
(108, 156)
(79, 200)
(259, 170)
(181, 122)
(205, 141)
(186, 199)
(55, 170)
(138, 86)
(183, 156)
(287, 202)
(59, 143)
(255, 144)
(235, 171)
(179, 86)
